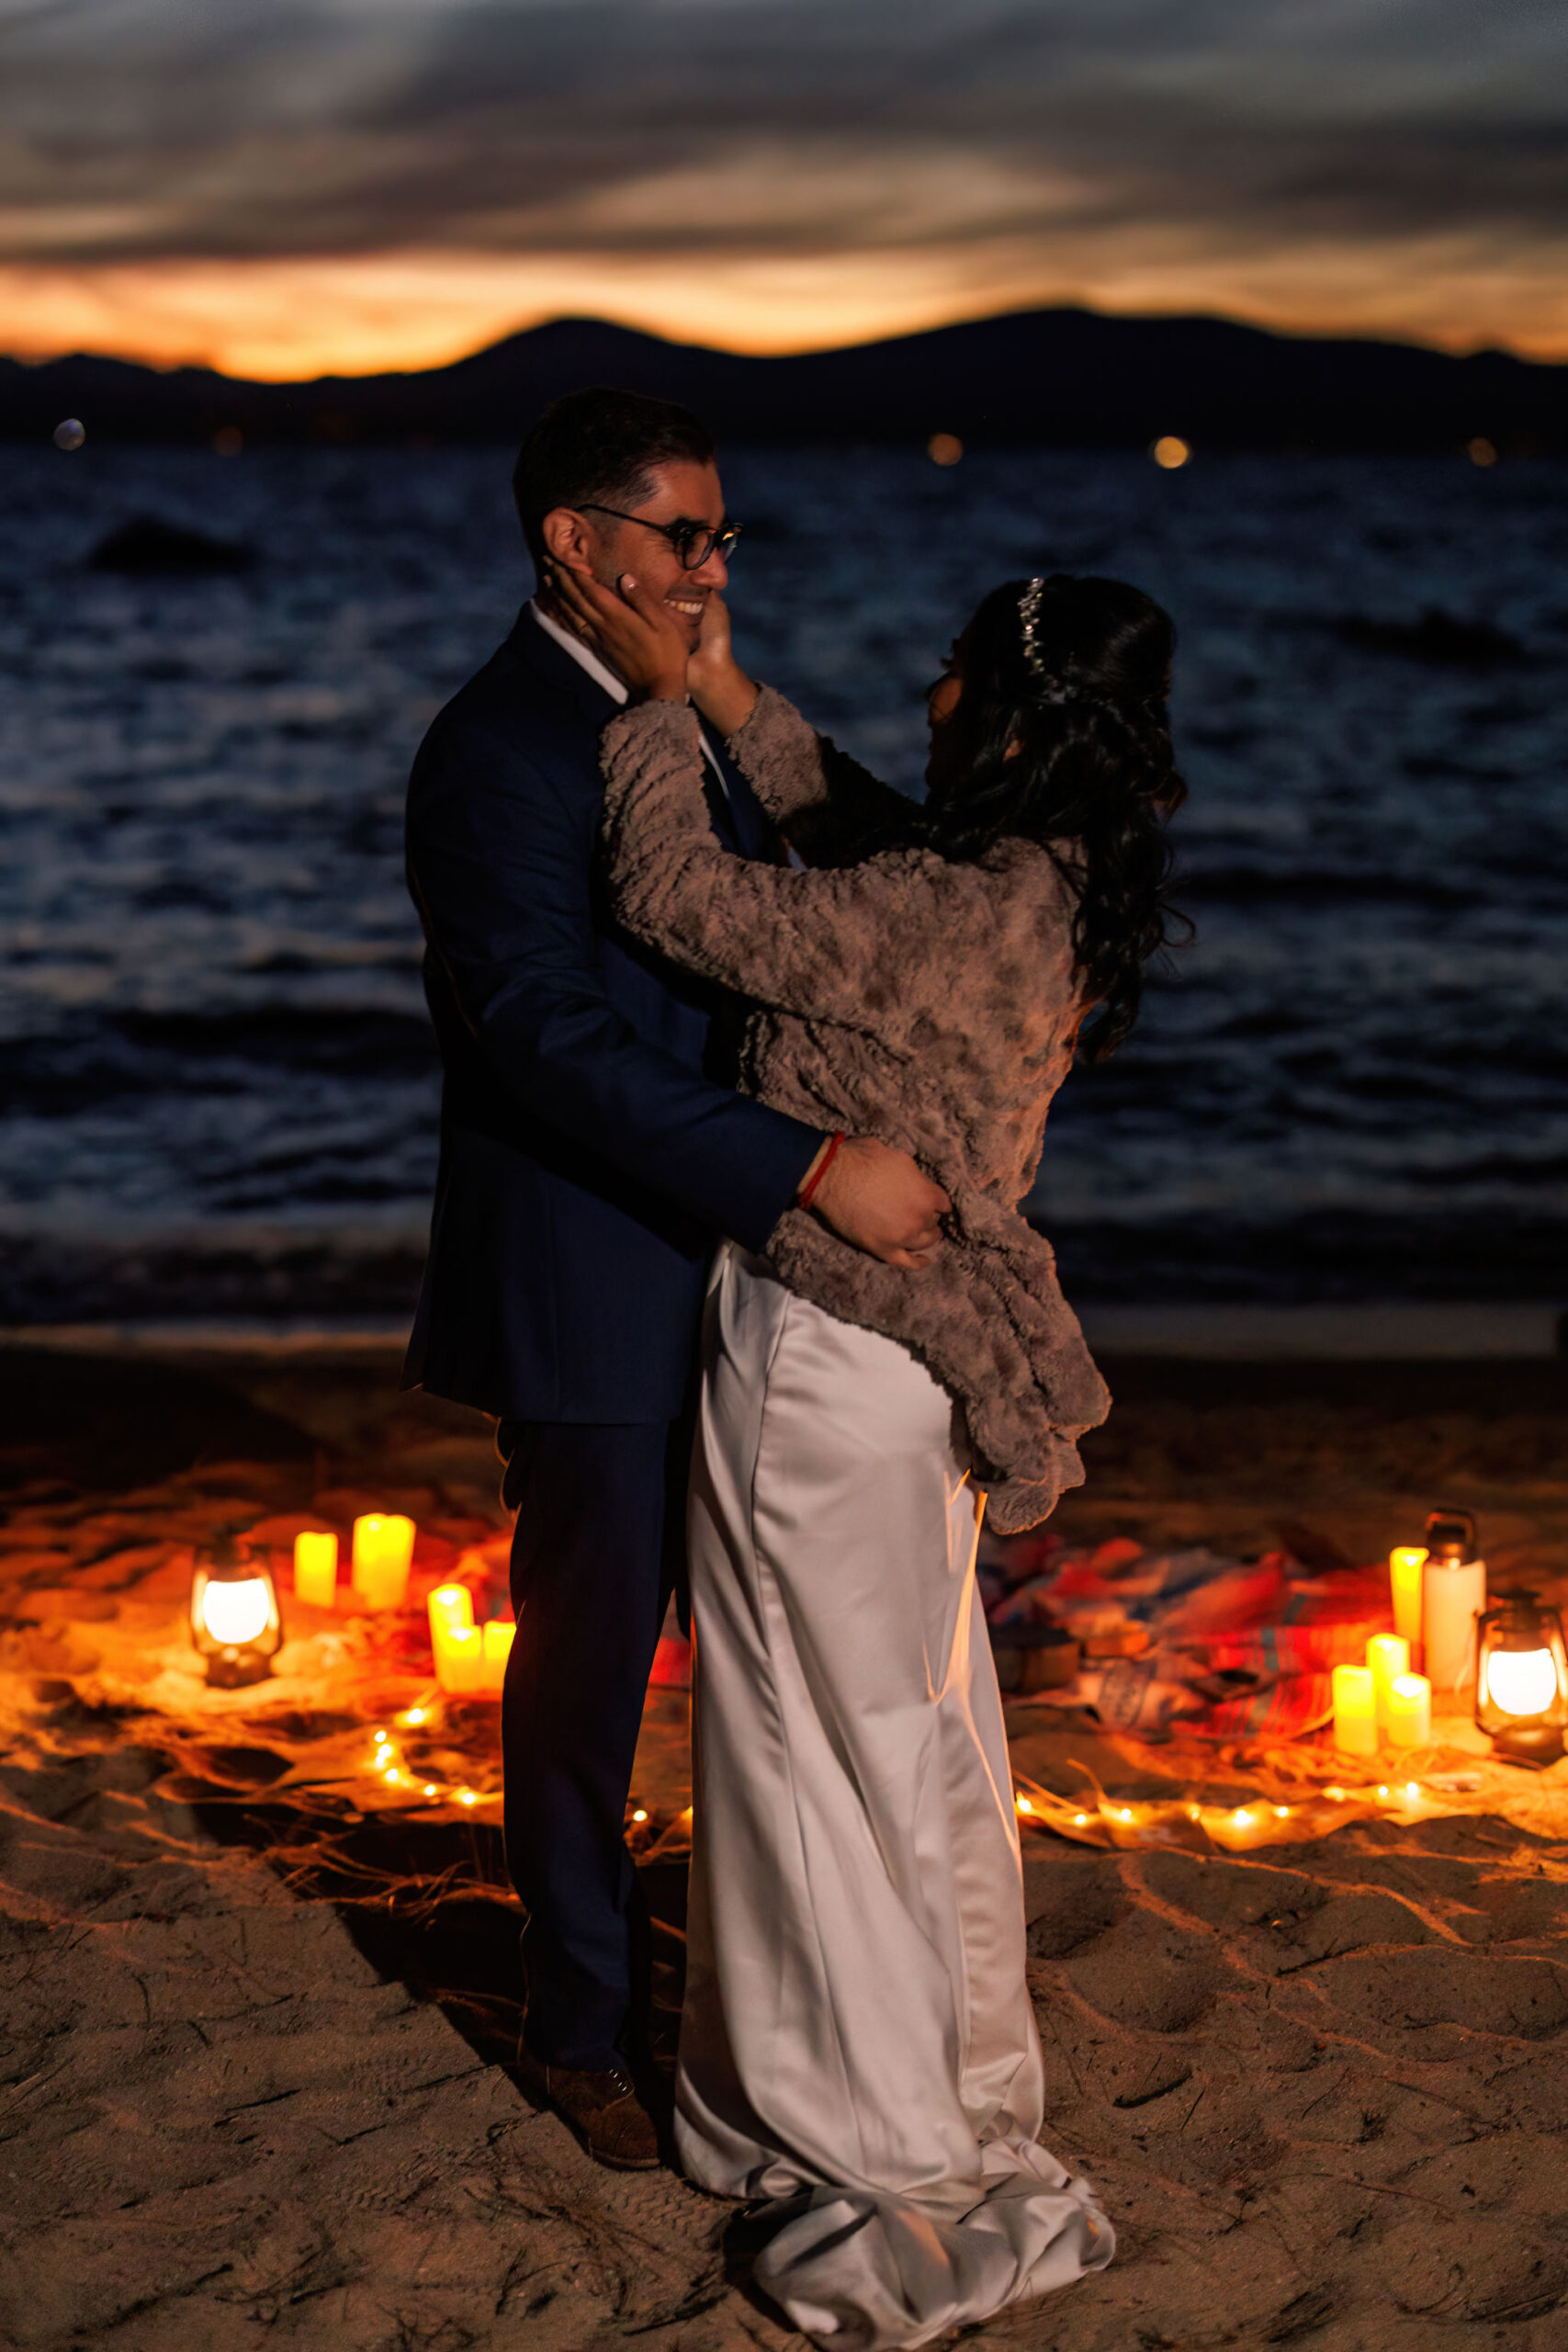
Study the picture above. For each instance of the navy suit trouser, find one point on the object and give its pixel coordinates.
(599, 1547)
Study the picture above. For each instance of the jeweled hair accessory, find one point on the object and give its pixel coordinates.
(1029, 627)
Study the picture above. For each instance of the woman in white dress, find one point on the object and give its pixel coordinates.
(858, 2050)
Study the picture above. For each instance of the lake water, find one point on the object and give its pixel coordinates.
(221, 1087)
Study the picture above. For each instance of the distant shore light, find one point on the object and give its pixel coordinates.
(228, 440)
(70, 434)
(944, 448)
(1481, 452)
(1170, 451)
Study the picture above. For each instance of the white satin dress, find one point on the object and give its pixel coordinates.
(858, 2042)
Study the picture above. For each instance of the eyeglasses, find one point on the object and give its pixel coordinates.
(692, 542)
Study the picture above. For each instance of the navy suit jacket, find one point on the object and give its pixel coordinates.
(591, 1151)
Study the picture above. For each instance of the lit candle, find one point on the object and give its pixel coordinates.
(315, 1568)
(460, 1660)
(1406, 1563)
(450, 1604)
(499, 1635)
(1354, 1711)
(1387, 1655)
(451, 1611)
(1407, 1718)
(383, 1548)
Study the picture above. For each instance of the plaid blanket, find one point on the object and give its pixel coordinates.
(1234, 1649)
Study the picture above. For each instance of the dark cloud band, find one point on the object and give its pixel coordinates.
(766, 126)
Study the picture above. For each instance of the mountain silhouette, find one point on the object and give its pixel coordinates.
(1060, 378)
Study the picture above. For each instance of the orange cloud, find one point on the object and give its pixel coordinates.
(288, 318)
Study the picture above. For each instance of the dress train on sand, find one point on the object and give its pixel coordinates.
(858, 2045)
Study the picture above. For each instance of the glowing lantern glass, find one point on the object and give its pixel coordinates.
(234, 1619)
(1521, 1683)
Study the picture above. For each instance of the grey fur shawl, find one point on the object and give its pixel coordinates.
(932, 1004)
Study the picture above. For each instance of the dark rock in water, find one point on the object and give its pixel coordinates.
(1437, 637)
(153, 549)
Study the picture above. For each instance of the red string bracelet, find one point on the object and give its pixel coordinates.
(808, 1188)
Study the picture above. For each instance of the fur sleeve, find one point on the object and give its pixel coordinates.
(836, 946)
(833, 811)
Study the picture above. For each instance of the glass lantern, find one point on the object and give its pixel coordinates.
(235, 1623)
(1521, 1683)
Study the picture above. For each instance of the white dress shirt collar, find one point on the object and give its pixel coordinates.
(602, 675)
(585, 657)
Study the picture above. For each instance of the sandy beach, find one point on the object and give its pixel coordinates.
(255, 2080)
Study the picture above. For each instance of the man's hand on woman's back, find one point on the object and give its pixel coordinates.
(878, 1199)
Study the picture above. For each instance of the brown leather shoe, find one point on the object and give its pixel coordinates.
(602, 2106)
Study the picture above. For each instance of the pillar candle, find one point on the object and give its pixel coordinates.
(1408, 1719)
(1354, 1711)
(499, 1634)
(315, 1568)
(449, 1604)
(460, 1660)
(383, 1547)
(1406, 1563)
(451, 1610)
(1387, 1655)
(1453, 1594)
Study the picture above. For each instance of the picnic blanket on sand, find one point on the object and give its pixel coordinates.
(1230, 1649)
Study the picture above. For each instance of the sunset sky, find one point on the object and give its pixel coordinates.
(285, 187)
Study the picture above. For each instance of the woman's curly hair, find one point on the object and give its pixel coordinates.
(1062, 736)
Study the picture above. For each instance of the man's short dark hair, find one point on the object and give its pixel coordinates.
(601, 445)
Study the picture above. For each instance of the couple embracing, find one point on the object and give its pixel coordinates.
(746, 1064)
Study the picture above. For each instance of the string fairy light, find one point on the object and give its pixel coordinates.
(1230, 1826)
(390, 1768)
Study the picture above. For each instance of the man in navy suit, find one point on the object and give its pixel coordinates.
(592, 1150)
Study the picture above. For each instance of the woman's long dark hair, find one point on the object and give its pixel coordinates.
(1061, 735)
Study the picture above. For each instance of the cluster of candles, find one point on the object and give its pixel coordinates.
(1438, 1593)
(1381, 1703)
(236, 1625)
(470, 1660)
(382, 1555)
(1511, 1657)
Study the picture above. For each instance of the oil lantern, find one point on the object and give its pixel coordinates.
(1521, 1683)
(234, 1620)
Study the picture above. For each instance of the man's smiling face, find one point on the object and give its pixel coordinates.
(679, 491)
